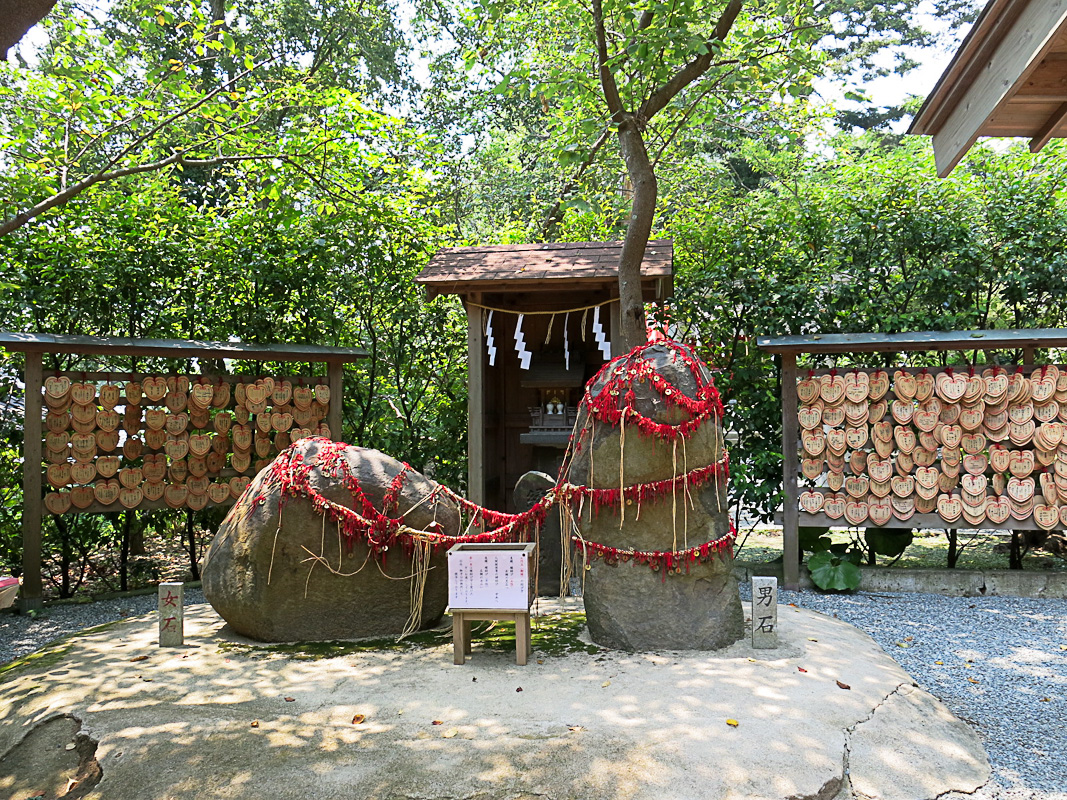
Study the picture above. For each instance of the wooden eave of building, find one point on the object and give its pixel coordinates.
(1008, 78)
(548, 267)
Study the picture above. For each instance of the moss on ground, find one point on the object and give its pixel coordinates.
(48, 657)
(553, 634)
(50, 654)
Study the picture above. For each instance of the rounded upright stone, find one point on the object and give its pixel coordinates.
(529, 490)
(287, 573)
(628, 605)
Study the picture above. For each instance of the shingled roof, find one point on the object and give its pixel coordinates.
(526, 267)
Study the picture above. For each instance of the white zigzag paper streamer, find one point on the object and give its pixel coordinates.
(600, 336)
(566, 343)
(490, 342)
(520, 345)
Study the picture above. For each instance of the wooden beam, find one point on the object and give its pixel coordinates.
(1018, 54)
(144, 505)
(476, 402)
(32, 594)
(173, 348)
(926, 522)
(916, 341)
(335, 378)
(1044, 135)
(614, 312)
(790, 470)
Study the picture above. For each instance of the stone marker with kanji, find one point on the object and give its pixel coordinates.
(171, 620)
(764, 613)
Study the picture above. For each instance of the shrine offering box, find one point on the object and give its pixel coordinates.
(490, 576)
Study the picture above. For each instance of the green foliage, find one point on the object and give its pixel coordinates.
(837, 572)
(889, 542)
(862, 239)
(813, 539)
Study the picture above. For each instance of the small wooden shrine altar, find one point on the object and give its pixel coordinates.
(541, 320)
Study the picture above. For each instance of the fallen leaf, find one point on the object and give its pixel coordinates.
(940, 663)
(255, 723)
(903, 644)
(139, 658)
(843, 685)
(358, 719)
(290, 699)
(801, 669)
(605, 684)
(70, 746)
(450, 733)
(972, 680)
(540, 661)
(575, 728)
(794, 605)
(1063, 647)
(812, 639)
(733, 723)
(437, 722)
(909, 638)
(1046, 699)
(752, 660)
(474, 679)
(519, 689)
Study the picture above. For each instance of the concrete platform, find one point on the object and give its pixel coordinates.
(213, 720)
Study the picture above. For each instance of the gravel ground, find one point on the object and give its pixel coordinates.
(1000, 663)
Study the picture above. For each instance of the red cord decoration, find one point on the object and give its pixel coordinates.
(382, 529)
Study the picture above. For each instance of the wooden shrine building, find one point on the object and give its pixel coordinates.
(534, 312)
(1008, 78)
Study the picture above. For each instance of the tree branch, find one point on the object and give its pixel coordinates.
(72, 191)
(695, 68)
(607, 79)
(553, 213)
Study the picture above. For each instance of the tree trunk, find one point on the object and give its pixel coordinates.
(1015, 554)
(18, 17)
(124, 553)
(953, 547)
(642, 211)
(190, 532)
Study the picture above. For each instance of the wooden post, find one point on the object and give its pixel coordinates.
(790, 467)
(617, 346)
(335, 378)
(32, 594)
(475, 403)
(1028, 355)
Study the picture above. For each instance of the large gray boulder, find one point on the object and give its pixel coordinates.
(628, 605)
(266, 571)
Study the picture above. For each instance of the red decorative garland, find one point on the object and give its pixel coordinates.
(621, 373)
(670, 561)
(643, 492)
(380, 531)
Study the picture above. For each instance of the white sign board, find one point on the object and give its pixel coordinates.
(496, 576)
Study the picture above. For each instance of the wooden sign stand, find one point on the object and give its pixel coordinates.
(481, 576)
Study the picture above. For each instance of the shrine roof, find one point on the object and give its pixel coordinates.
(525, 267)
(1008, 78)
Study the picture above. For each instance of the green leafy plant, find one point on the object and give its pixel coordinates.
(835, 571)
